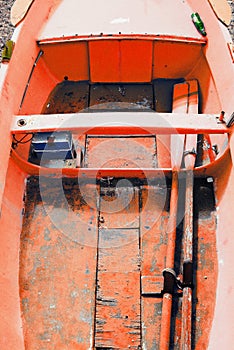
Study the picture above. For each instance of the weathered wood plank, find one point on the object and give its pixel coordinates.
(118, 320)
(121, 152)
(118, 279)
(154, 220)
(58, 266)
(119, 208)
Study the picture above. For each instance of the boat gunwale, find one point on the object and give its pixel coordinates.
(102, 36)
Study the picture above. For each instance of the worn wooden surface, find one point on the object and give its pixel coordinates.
(91, 269)
(57, 269)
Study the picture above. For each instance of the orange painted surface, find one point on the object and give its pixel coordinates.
(118, 322)
(11, 334)
(83, 247)
(154, 219)
(135, 152)
(174, 60)
(58, 59)
(12, 180)
(57, 275)
(17, 76)
(158, 59)
(121, 60)
(44, 78)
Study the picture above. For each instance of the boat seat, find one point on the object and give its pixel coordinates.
(128, 123)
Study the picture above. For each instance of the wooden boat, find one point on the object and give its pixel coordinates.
(117, 181)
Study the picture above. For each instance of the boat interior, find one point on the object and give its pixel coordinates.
(94, 222)
(139, 76)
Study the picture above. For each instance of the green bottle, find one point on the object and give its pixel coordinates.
(198, 23)
(7, 50)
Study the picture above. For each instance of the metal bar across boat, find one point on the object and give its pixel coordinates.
(121, 123)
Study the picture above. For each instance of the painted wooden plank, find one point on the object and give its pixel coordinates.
(58, 265)
(118, 320)
(121, 152)
(119, 208)
(152, 285)
(163, 91)
(191, 140)
(193, 96)
(154, 220)
(180, 105)
(118, 285)
(180, 98)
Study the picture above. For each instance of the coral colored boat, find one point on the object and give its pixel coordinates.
(117, 180)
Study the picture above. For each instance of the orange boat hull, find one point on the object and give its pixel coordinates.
(127, 244)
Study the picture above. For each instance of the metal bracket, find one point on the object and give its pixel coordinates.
(171, 281)
(192, 151)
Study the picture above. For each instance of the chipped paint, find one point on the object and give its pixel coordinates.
(121, 308)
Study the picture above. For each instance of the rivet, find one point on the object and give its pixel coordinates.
(21, 122)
